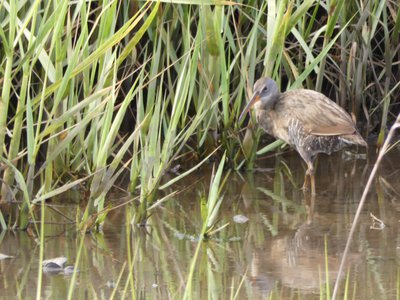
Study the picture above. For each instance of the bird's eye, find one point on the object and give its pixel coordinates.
(265, 89)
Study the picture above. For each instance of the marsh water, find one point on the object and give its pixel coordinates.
(279, 242)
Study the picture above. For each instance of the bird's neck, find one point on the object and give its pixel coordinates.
(270, 102)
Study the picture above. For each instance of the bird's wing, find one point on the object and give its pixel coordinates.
(318, 114)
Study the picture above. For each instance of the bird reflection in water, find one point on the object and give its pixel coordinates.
(294, 258)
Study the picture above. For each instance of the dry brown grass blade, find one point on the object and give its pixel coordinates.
(381, 154)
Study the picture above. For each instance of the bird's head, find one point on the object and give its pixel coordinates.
(265, 94)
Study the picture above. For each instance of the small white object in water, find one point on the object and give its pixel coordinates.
(58, 261)
(4, 256)
(56, 266)
(240, 219)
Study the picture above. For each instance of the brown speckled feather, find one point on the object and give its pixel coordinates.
(315, 112)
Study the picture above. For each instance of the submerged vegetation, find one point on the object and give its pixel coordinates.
(90, 90)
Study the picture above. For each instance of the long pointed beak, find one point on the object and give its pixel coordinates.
(256, 97)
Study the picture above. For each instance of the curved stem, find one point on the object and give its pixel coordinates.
(362, 201)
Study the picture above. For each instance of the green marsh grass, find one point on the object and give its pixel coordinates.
(209, 214)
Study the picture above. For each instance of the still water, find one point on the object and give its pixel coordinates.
(279, 243)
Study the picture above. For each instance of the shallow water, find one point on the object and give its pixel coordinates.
(279, 251)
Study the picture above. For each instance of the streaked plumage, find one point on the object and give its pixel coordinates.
(305, 119)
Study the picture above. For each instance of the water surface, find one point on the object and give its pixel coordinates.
(290, 247)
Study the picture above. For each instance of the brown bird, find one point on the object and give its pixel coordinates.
(306, 120)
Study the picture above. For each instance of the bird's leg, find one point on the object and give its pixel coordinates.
(312, 184)
(309, 201)
(311, 173)
(306, 181)
(309, 178)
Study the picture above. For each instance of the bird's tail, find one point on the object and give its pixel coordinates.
(355, 138)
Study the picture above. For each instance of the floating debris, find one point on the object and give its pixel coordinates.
(240, 219)
(56, 266)
(377, 224)
(5, 256)
(69, 270)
